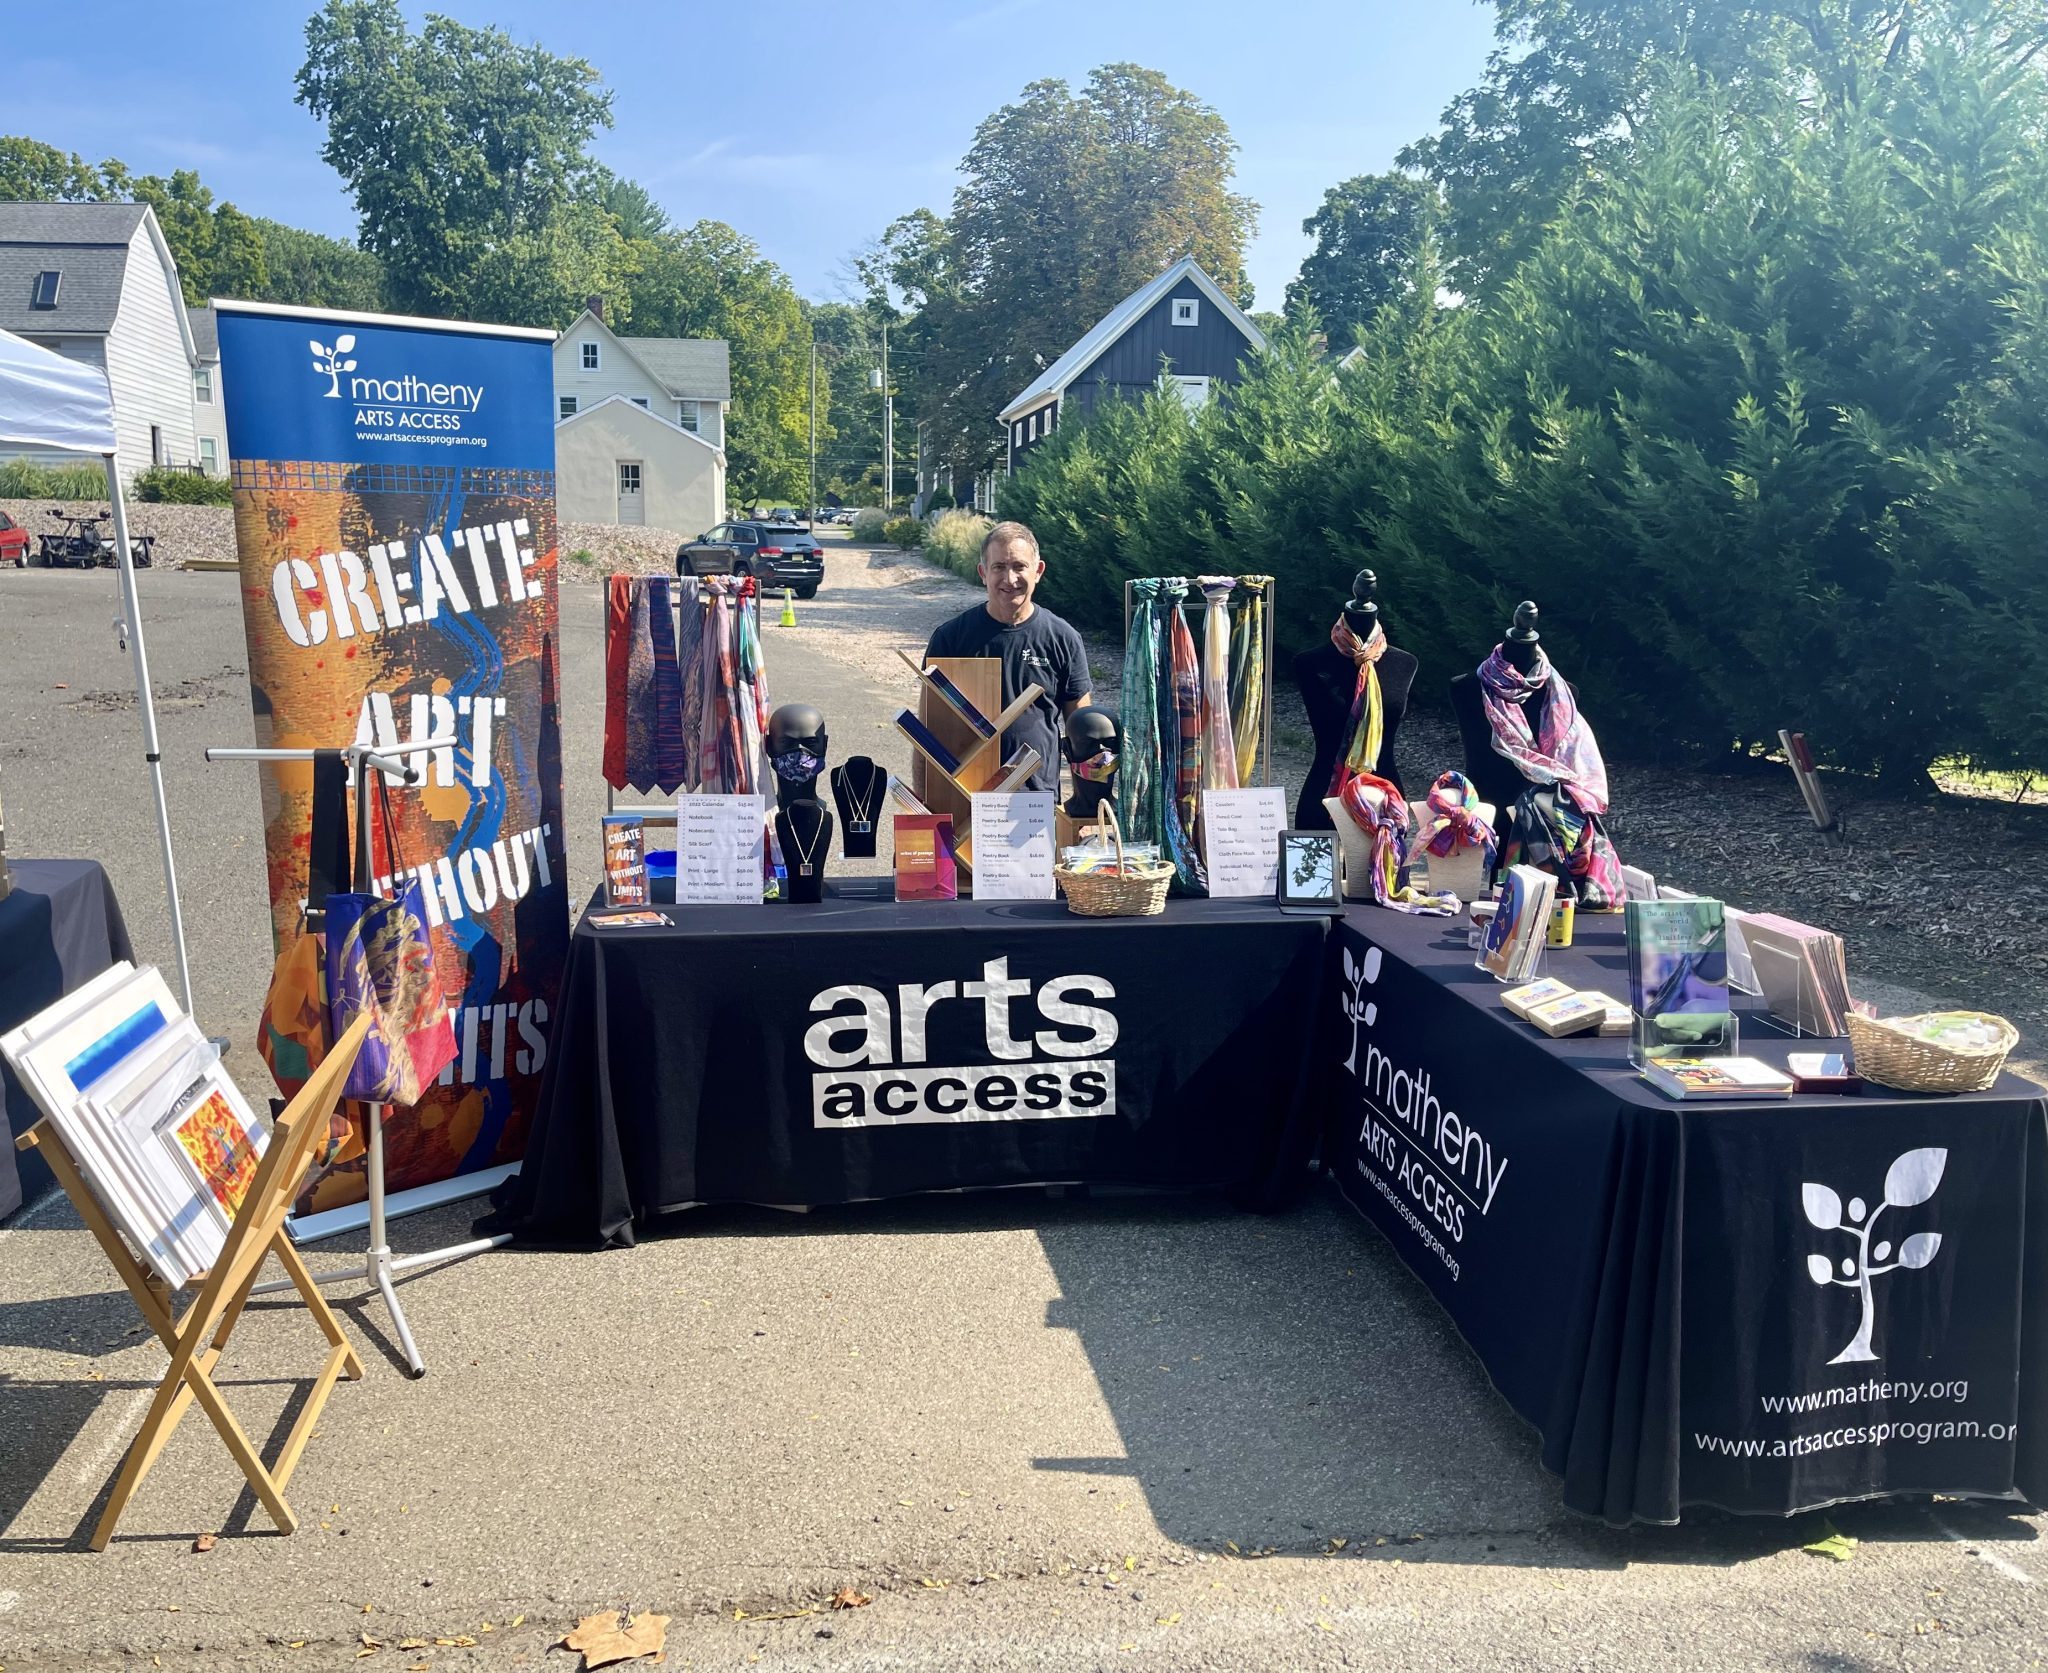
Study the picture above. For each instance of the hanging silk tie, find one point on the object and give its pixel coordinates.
(1183, 714)
(1140, 770)
(1364, 730)
(618, 652)
(1219, 742)
(718, 745)
(665, 694)
(690, 666)
(1248, 674)
(1376, 807)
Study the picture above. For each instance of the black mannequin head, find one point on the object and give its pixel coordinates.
(1519, 644)
(796, 750)
(1090, 743)
(1361, 609)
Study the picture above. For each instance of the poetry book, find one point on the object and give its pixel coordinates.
(924, 857)
(928, 741)
(1678, 978)
(1717, 1077)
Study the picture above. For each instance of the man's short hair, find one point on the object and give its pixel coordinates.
(1003, 533)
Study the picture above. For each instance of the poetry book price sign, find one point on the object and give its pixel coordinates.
(1241, 840)
(394, 489)
(718, 850)
(1013, 845)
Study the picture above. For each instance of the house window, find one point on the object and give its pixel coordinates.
(209, 456)
(686, 415)
(590, 357)
(157, 456)
(45, 294)
(1034, 426)
(567, 406)
(629, 476)
(202, 385)
(1194, 391)
(640, 401)
(1017, 438)
(1049, 412)
(1187, 310)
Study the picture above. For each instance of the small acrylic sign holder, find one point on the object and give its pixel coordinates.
(380, 1266)
(258, 1232)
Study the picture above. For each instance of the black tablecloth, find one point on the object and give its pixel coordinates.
(59, 928)
(1640, 1277)
(852, 1050)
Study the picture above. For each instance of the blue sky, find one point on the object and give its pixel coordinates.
(809, 126)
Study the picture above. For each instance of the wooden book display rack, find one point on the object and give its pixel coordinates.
(258, 1230)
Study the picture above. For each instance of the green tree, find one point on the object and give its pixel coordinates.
(710, 281)
(629, 204)
(311, 270)
(1366, 233)
(32, 172)
(455, 142)
(219, 250)
(1069, 201)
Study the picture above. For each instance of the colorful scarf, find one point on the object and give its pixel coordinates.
(1386, 825)
(643, 744)
(1248, 674)
(690, 660)
(1139, 767)
(1455, 822)
(1547, 830)
(1184, 706)
(751, 704)
(1364, 731)
(1566, 753)
(1218, 741)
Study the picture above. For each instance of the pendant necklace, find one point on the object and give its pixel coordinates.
(804, 850)
(860, 804)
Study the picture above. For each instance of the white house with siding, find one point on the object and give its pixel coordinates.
(640, 426)
(96, 283)
(209, 415)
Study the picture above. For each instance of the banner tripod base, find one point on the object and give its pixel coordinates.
(379, 1266)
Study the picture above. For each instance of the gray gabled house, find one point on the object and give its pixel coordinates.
(1179, 328)
(96, 283)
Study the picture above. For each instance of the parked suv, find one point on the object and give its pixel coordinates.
(775, 554)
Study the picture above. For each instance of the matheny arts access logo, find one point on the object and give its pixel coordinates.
(1909, 1182)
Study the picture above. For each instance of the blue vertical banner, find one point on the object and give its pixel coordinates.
(394, 489)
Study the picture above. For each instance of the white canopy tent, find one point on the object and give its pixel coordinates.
(48, 401)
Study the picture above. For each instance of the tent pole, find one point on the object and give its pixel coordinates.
(145, 700)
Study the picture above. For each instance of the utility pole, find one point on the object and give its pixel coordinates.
(811, 505)
(888, 430)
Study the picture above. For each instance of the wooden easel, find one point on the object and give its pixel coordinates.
(258, 1230)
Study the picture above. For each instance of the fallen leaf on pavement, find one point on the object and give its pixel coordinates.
(1834, 1543)
(605, 1638)
(847, 1598)
(1172, 1620)
(461, 1641)
(412, 1643)
(206, 1542)
(519, 1620)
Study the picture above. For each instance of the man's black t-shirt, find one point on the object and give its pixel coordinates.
(1041, 650)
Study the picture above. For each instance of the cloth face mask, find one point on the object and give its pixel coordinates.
(796, 765)
(1099, 768)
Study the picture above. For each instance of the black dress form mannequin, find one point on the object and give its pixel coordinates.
(1328, 680)
(1088, 733)
(796, 750)
(804, 829)
(859, 788)
(1497, 779)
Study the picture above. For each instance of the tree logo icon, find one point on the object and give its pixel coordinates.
(329, 362)
(1910, 1181)
(1359, 1011)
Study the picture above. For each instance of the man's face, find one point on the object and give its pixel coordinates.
(1010, 571)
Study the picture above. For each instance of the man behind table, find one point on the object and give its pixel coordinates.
(1035, 646)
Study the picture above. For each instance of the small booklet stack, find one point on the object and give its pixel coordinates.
(1514, 938)
(1716, 1077)
(1561, 1010)
(1803, 972)
(136, 1092)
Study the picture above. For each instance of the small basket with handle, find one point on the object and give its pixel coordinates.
(1129, 889)
(1892, 1054)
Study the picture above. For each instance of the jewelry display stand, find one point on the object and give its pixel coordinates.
(257, 1233)
(380, 1266)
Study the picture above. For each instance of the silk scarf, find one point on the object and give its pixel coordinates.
(690, 663)
(1385, 823)
(1219, 741)
(1454, 822)
(1139, 765)
(1364, 730)
(1181, 725)
(1248, 674)
(1546, 829)
(1565, 752)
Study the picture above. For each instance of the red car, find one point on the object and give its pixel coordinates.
(13, 542)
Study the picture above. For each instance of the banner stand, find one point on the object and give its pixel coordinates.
(379, 1267)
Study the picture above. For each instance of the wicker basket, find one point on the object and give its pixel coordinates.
(1888, 1054)
(1135, 889)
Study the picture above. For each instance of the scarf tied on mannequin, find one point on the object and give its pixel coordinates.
(1385, 824)
(1454, 821)
(1365, 729)
(1555, 823)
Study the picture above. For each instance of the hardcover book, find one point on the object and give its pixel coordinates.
(928, 741)
(1678, 979)
(1717, 1077)
(958, 701)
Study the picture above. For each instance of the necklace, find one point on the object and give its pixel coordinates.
(804, 850)
(859, 805)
